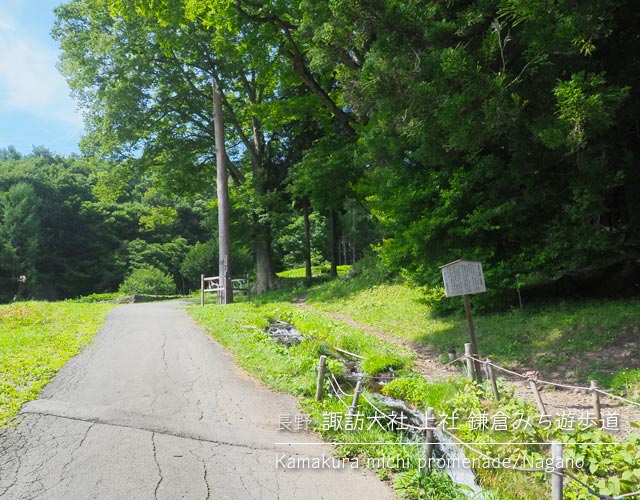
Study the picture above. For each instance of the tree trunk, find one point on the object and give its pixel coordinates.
(334, 242)
(265, 277)
(222, 187)
(307, 240)
(265, 280)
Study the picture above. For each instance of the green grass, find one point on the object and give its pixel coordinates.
(316, 271)
(299, 272)
(542, 337)
(240, 329)
(99, 297)
(394, 309)
(36, 339)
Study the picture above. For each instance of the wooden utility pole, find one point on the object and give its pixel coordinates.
(225, 296)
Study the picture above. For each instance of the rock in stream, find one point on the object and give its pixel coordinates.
(284, 333)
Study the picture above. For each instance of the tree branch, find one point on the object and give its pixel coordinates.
(297, 59)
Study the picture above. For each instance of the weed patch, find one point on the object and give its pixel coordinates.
(36, 339)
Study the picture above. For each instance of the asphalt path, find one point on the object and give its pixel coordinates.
(155, 409)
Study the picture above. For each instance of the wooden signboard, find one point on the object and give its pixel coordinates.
(463, 277)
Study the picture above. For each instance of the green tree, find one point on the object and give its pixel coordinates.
(144, 74)
(491, 131)
(19, 233)
(148, 280)
(501, 130)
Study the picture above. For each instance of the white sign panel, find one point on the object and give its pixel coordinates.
(463, 277)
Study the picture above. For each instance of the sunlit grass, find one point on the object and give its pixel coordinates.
(240, 328)
(541, 337)
(36, 339)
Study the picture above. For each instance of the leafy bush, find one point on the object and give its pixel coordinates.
(417, 391)
(149, 280)
(97, 298)
(379, 363)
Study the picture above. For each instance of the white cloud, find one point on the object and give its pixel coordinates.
(29, 80)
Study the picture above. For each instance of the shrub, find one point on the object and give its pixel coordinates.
(379, 363)
(149, 281)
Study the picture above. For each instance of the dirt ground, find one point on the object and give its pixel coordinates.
(617, 416)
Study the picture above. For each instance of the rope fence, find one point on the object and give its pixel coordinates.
(556, 384)
(525, 377)
(557, 471)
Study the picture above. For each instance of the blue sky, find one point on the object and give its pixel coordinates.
(35, 107)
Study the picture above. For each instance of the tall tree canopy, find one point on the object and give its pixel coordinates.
(74, 226)
(144, 76)
(501, 130)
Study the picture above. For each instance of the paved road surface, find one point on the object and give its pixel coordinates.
(155, 409)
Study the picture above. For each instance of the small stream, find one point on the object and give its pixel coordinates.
(284, 333)
(444, 449)
(448, 457)
(446, 453)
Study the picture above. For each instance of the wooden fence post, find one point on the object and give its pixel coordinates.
(202, 289)
(556, 474)
(537, 397)
(492, 380)
(356, 396)
(468, 352)
(595, 396)
(320, 383)
(429, 441)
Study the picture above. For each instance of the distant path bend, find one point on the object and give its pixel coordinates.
(155, 409)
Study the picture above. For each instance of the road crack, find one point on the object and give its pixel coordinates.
(155, 458)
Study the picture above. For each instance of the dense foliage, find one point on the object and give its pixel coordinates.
(148, 280)
(499, 130)
(75, 226)
(68, 229)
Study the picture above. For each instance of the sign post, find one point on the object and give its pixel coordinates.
(465, 277)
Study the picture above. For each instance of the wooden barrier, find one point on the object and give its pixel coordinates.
(429, 425)
(213, 284)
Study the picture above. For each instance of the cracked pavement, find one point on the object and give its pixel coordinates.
(155, 409)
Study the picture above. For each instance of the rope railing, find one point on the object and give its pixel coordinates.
(339, 393)
(335, 390)
(627, 495)
(587, 390)
(525, 377)
(459, 358)
(620, 398)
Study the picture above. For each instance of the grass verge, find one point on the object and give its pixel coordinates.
(581, 340)
(612, 469)
(36, 339)
(240, 329)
